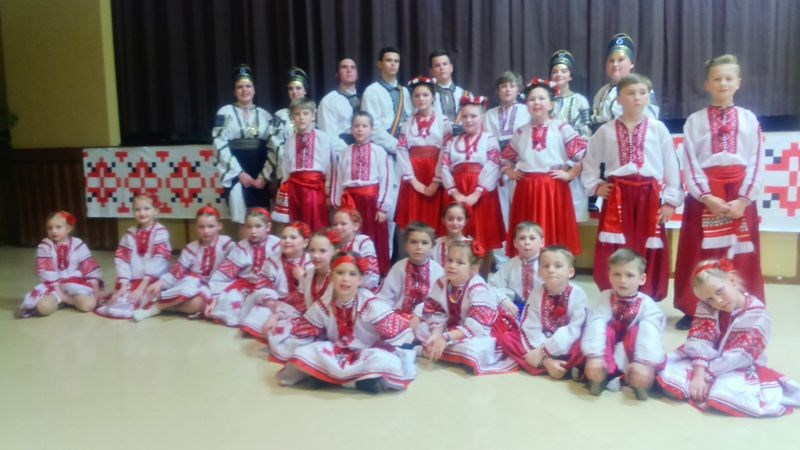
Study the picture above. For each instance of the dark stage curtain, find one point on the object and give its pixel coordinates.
(174, 57)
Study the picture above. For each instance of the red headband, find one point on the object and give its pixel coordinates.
(361, 263)
(469, 99)
(333, 236)
(723, 264)
(208, 211)
(69, 218)
(261, 211)
(477, 249)
(541, 82)
(304, 229)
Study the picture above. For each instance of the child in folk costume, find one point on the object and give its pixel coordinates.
(68, 273)
(411, 279)
(241, 279)
(285, 276)
(307, 166)
(459, 315)
(284, 329)
(454, 217)
(723, 168)
(722, 365)
(543, 157)
(470, 172)
(347, 222)
(554, 318)
(362, 336)
(141, 259)
(502, 122)
(641, 190)
(185, 287)
(517, 278)
(624, 330)
(361, 182)
(574, 109)
(620, 57)
(419, 148)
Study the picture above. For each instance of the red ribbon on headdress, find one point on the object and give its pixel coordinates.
(69, 218)
(208, 210)
(334, 236)
(477, 248)
(723, 264)
(469, 99)
(361, 263)
(302, 227)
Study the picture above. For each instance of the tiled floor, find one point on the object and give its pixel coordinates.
(77, 381)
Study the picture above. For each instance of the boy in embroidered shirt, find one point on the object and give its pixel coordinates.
(642, 186)
(624, 331)
(517, 278)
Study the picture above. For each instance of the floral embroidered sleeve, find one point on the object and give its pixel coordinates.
(45, 263)
(564, 337)
(745, 342)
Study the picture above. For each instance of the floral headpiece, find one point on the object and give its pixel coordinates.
(469, 99)
(302, 227)
(68, 217)
(550, 85)
(361, 263)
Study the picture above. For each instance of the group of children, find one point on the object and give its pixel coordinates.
(327, 317)
(333, 310)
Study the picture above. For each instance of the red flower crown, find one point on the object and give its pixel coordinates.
(302, 227)
(469, 99)
(477, 249)
(547, 84)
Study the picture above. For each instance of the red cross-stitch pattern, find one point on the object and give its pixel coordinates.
(391, 325)
(789, 195)
(142, 178)
(185, 183)
(102, 183)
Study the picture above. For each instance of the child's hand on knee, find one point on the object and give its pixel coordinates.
(555, 367)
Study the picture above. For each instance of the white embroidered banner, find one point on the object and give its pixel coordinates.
(184, 179)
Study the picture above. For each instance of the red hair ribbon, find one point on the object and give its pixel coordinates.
(208, 211)
(361, 264)
(723, 264)
(469, 99)
(302, 227)
(333, 236)
(260, 211)
(541, 82)
(477, 248)
(68, 217)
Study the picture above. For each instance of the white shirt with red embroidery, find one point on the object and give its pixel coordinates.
(142, 252)
(317, 155)
(363, 245)
(478, 309)
(553, 324)
(198, 261)
(647, 151)
(542, 148)
(407, 285)
(502, 123)
(60, 266)
(723, 137)
(434, 131)
(440, 249)
(516, 278)
(246, 261)
(640, 310)
(362, 165)
(482, 149)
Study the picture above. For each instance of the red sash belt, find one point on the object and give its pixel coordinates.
(424, 152)
(612, 224)
(370, 190)
(308, 179)
(720, 232)
(466, 168)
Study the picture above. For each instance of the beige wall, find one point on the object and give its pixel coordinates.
(59, 62)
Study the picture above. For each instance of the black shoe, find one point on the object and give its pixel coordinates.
(373, 385)
(316, 383)
(684, 323)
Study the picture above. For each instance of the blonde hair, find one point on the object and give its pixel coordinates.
(634, 78)
(625, 256)
(527, 225)
(720, 269)
(722, 60)
(559, 250)
(474, 259)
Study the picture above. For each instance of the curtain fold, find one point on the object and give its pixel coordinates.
(174, 58)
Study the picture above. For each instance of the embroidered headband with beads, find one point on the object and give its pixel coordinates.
(541, 82)
(469, 99)
(302, 227)
(208, 211)
(68, 217)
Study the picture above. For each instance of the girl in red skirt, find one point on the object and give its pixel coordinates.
(543, 157)
(361, 182)
(723, 173)
(470, 171)
(424, 135)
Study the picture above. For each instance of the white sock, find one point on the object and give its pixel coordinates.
(141, 314)
(614, 384)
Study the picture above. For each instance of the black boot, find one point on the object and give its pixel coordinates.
(684, 323)
(372, 385)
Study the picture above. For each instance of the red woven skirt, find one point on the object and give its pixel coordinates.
(365, 200)
(307, 199)
(485, 217)
(413, 206)
(543, 200)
